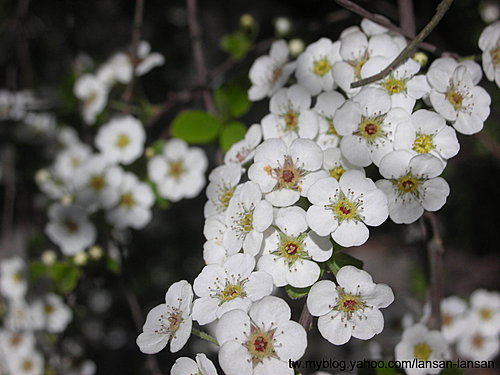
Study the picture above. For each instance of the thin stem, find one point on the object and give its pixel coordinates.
(128, 95)
(199, 59)
(435, 250)
(489, 143)
(410, 48)
(382, 21)
(205, 336)
(306, 319)
(407, 17)
(9, 179)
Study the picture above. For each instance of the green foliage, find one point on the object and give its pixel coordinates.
(195, 127)
(232, 133)
(236, 44)
(340, 259)
(418, 282)
(296, 293)
(231, 100)
(64, 274)
(113, 265)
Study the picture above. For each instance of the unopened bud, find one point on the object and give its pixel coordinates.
(149, 153)
(95, 252)
(49, 257)
(80, 259)
(421, 58)
(247, 21)
(282, 25)
(296, 46)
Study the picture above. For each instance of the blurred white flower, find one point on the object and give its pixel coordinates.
(13, 283)
(186, 366)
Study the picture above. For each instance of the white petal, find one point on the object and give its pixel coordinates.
(269, 310)
(334, 330)
(235, 359)
(321, 220)
(351, 233)
(436, 192)
(321, 297)
(369, 325)
(232, 326)
(293, 341)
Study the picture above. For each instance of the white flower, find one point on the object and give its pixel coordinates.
(117, 68)
(456, 97)
(453, 318)
(489, 43)
(290, 252)
(186, 366)
(97, 183)
(412, 185)
(314, 66)
(70, 228)
(269, 73)
(356, 50)
(51, 313)
(344, 208)
(367, 124)
(13, 343)
(147, 59)
(350, 309)
(134, 203)
(242, 151)
(179, 172)
(19, 316)
(94, 95)
(213, 249)
(27, 363)
(260, 342)
(335, 164)
(427, 133)
(247, 217)
(291, 116)
(485, 311)
(221, 188)
(170, 321)
(227, 287)
(477, 345)
(69, 161)
(327, 104)
(13, 284)
(40, 123)
(284, 173)
(403, 84)
(121, 139)
(424, 345)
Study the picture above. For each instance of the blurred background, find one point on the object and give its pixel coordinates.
(45, 44)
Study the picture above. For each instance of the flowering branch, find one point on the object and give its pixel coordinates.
(201, 71)
(410, 48)
(205, 336)
(435, 250)
(136, 37)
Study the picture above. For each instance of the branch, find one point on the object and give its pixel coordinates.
(205, 336)
(410, 48)
(407, 17)
(9, 179)
(199, 59)
(128, 95)
(435, 251)
(489, 143)
(382, 21)
(306, 319)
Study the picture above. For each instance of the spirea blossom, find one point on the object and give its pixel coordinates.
(489, 43)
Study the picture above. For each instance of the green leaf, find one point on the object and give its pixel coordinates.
(232, 100)
(113, 265)
(65, 276)
(296, 293)
(386, 370)
(236, 44)
(340, 259)
(195, 127)
(232, 133)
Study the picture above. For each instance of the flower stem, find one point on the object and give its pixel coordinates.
(410, 48)
(204, 336)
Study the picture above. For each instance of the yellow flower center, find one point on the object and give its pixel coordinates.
(446, 319)
(246, 222)
(291, 120)
(394, 86)
(260, 345)
(455, 99)
(407, 184)
(18, 277)
(423, 143)
(15, 340)
(48, 309)
(174, 321)
(71, 226)
(348, 303)
(358, 64)
(122, 141)
(225, 197)
(27, 365)
(127, 200)
(276, 74)
(345, 209)
(422, 351)
(495, 55)
(477, 341)
(321, 67)
(176, 169)
(288, 176)
(97, 182)
(290, 249)
(337, 172)
(486, 314)
(370, 128)
(231, 291)
(331, 128)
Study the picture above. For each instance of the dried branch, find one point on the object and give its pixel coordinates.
(441, 10)
(407, 17)
(199, 59)
(128, 95)
(435, 251)
(382, 21)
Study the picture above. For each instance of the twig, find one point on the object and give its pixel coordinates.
(23, 51)
(407, 17)
(306, 319)
(382, 21)
(435, 251)
(128, 95)
(199, 59)
(489, 143)
(205, 336)
(410, 48)
(9, 179)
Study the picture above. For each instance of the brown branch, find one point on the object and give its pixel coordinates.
(9, 179)
(441, 10)
(435, 251)
(407, 17)
(306, 319)
(128, 95)
(22, 45)
(382, 21)
(489, 143)
(199, 59)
